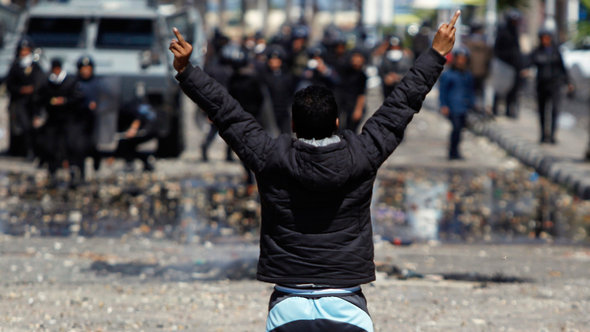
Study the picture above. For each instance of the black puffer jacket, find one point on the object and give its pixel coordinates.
(316, 222)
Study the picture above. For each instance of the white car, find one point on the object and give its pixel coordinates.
(575, 58)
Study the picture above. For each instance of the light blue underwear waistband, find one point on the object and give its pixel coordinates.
(311, 291)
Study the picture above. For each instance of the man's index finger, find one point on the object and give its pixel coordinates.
(178, 35)
(455, 18)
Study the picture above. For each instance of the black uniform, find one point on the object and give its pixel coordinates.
(246, 88)
(353, 85)
(296, 61)
(394, 61)
(221, 71)
(336, 57)
(23, 107)
(64, 135)
(281, 87)
(551, 76)
(91, 89)
(312, 76)
(507, 49)
(127, 148)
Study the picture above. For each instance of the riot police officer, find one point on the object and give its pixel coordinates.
(317, 71)
(296, 58)
(395, 64)
(280, 84)
(219, 67)
(245, 86)
(137, 121)
(62, 136)
(351, 92)
(23, 81)
(91, 88)
(551, 76)
(507, 49)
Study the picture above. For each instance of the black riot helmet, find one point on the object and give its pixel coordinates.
(316, 51)
(25, 42)
(545, 32)
(85, 60)
(512, 16)
(276, 51)
(299, 31)
(235, 55)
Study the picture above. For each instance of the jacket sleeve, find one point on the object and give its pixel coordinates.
(385, 129)
(237, 127)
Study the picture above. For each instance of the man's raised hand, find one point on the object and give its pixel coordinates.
(445, 36)
(182, 51)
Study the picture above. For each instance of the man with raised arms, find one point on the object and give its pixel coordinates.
(316, 240)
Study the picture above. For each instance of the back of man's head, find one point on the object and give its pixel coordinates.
(314, 113)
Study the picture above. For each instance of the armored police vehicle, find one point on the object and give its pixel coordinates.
(9, 17)
(128, 40)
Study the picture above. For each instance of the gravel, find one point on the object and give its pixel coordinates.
(145, 284)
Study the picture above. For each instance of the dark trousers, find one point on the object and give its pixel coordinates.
(209, 140)
(22, 133)
(52, 142)
(60, 142)
(548, 117)
(127, 149)
(350, 123)
(457, 123)
(78, 145)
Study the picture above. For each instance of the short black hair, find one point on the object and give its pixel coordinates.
(314, 112)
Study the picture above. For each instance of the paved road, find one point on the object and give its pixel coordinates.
(136, 283)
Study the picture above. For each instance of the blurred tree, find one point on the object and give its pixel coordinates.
(583, 27)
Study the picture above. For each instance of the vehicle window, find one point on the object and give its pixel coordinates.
(56, 32)
(125, 33)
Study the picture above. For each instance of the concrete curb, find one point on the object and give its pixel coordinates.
(563, 171)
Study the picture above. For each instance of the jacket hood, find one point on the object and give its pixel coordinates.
(322, 165)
